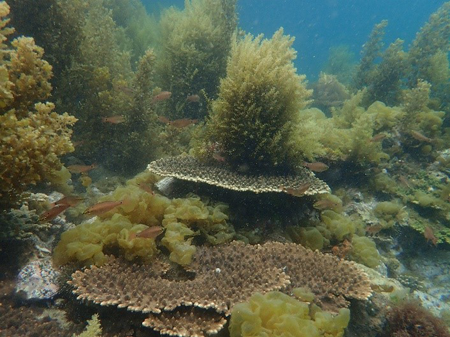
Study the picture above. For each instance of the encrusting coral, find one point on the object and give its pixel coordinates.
(32, 135)
(222, 277)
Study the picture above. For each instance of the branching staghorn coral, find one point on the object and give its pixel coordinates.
(32, 135)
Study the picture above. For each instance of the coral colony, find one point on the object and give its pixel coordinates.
(177, 176)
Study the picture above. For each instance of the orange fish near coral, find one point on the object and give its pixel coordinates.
(146, 188)
(296, 192)
(114, 119)
(217, 157)
(148, 233)
(182, 123)
(102, 207)
(193, 98)
(429, 236)
(162, 96)
(81, 168)
(316, 167)
(53, 212)
(373, 229)
(164, 120)
(378, 138)
(325, 204)
(420, 137)
(68, 200)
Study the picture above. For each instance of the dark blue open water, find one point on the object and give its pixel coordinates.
(319, 25)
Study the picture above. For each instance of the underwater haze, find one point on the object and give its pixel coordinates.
(322, 24)
(233, 168)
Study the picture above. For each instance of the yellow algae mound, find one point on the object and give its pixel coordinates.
(277, 314)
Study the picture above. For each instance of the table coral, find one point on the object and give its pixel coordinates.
(32, 135)
(223, 276)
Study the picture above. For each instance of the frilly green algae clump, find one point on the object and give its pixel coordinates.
(277, 314)
(117, 231)
(32, 135)
(253, 121)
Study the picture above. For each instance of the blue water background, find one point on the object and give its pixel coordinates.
(320, 24)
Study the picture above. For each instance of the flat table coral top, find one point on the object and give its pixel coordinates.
(222, 276)
(190, 169)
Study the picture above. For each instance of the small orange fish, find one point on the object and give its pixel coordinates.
(382, 288)
(404, 181)
(81, 168)
(182, 123)
(316, 167)
(374, 229)
(219, 158)
(114, 119)
(378, 138)
(102, 207)
(123, 88)
(150, 233)
(78, 143)
(325, 204)
(146, 188)
(296, 192)
(429, 236)
(193, 98)
(68, 200)
(420, 137)
(53, 212)
(164, 120)
(162, 96)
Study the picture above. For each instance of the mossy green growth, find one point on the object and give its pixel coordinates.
(195, 43)
(309, 237)
(365, 251)
(389, 213)
(253, 121)
(340, 226)
(277, 314)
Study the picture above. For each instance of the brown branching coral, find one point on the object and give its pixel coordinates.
(221, 276)
(32, 135)
(190, 169)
